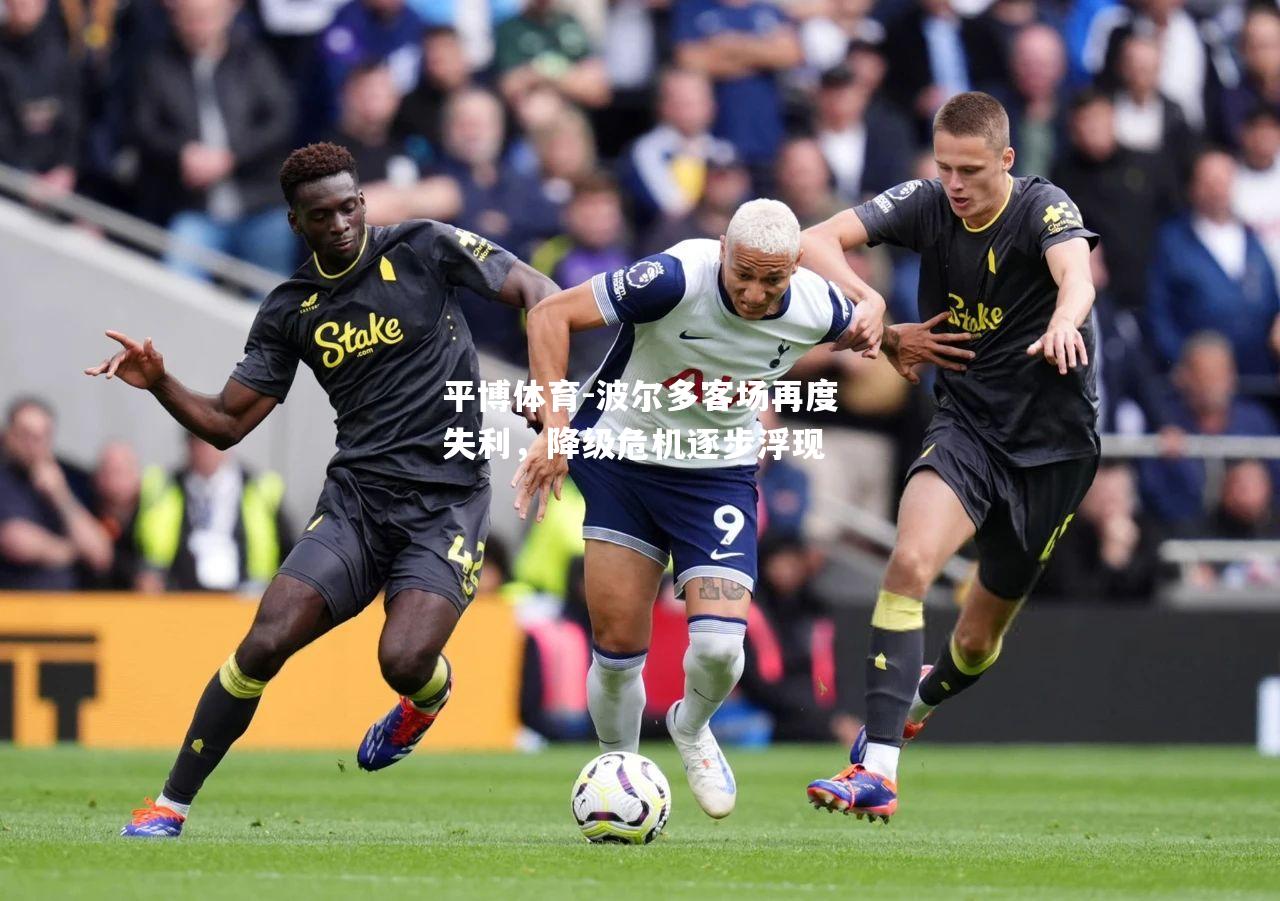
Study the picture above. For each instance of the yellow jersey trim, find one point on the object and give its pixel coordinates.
(994, 219)
(364, 242)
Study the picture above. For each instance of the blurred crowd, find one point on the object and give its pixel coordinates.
(583, 133)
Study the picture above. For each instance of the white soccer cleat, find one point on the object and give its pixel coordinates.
(710, 778)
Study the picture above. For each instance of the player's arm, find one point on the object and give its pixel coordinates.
(549, 325)
(823, 247)
(220, 419)
(1062, 344)
(525, 287)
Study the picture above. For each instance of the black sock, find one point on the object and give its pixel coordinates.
(220, 719)
(948, 678)
(893, 670)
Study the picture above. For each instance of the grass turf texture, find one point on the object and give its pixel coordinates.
(998, 822)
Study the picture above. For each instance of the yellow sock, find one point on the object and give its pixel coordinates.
(431, 697)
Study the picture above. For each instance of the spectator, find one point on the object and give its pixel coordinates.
(211, 526)
(1247, 512)
(291, 28)
(1205, 403)
(804, 181)
(1259, 84)
(934, 53)
(213, 118)
(1109, 553)
(1187, 60)
(867, 143)
(1209, 271)
(593, 242)
(1146, 120)
(542, 46)
(389, 178)
(1129, 191)
(728, 185)
(498, 201)
(1256, 196)
(45, 531)
(419, 122)
(740, 45)
(364, 30)
(39, 96)
(828, 28)
(666, 168)
(565, 149)
(492, 191)
(117, 484)
(784, 490)
(1129, 399)
(1038, 67)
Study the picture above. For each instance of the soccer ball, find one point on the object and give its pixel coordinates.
(621, 797)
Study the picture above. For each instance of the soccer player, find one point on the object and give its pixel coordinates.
(373, 314)
(712, 316)
(1012, 447)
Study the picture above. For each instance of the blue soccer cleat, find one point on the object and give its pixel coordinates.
(153, 821)
(858, 791)
(394, 736)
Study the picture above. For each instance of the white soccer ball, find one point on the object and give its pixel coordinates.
(621, 797)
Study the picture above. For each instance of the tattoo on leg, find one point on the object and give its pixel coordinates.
(733, 591)
(709, 590)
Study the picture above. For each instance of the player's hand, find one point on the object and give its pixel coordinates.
(916, 343)
(139, 365)
(1062, 345)
(538, 476)
(866, 328)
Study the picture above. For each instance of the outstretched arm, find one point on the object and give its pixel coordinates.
(525, 287)
(541, 474)
(823, 247)
(221, 419)
(1062, 344)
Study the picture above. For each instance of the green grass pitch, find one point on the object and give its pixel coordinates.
(993, 822)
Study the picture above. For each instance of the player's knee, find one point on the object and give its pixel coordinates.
(265, 649)
(911, 571)
(715, 643)
(616, 638)
(407, 670)
(974, 645)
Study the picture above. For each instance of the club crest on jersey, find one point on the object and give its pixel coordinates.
(643, 272)
(904, 190)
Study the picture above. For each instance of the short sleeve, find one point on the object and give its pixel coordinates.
(270, 362)
(645, 291)
(841, 313)
(465, 259)
(902, 215)
(1053, 218)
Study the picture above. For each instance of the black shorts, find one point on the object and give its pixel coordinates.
(365, 534)
(1019, 512)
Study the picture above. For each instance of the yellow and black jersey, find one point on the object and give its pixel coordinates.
(997, 286)
(382, 337)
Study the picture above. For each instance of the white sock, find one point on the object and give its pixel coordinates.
(882, 759)
(918, 709)
(712, 666)
(173, 805)
(615, 699)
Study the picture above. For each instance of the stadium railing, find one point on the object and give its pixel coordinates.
(138, 234)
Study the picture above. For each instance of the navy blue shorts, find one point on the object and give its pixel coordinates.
(705, 519)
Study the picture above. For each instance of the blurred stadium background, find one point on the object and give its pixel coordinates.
(140, 141)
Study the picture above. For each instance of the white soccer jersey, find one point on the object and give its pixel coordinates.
(678, 324)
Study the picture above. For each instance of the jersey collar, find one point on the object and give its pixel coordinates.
(728, 303)
(364, 242)
(994, 219)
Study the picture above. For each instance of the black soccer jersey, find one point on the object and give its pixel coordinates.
(998, 287)
(382, 338)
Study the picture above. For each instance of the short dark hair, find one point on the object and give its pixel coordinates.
(1088, 97)
(313, 162)
(22, 402)
(974, 113)
(597, 182)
